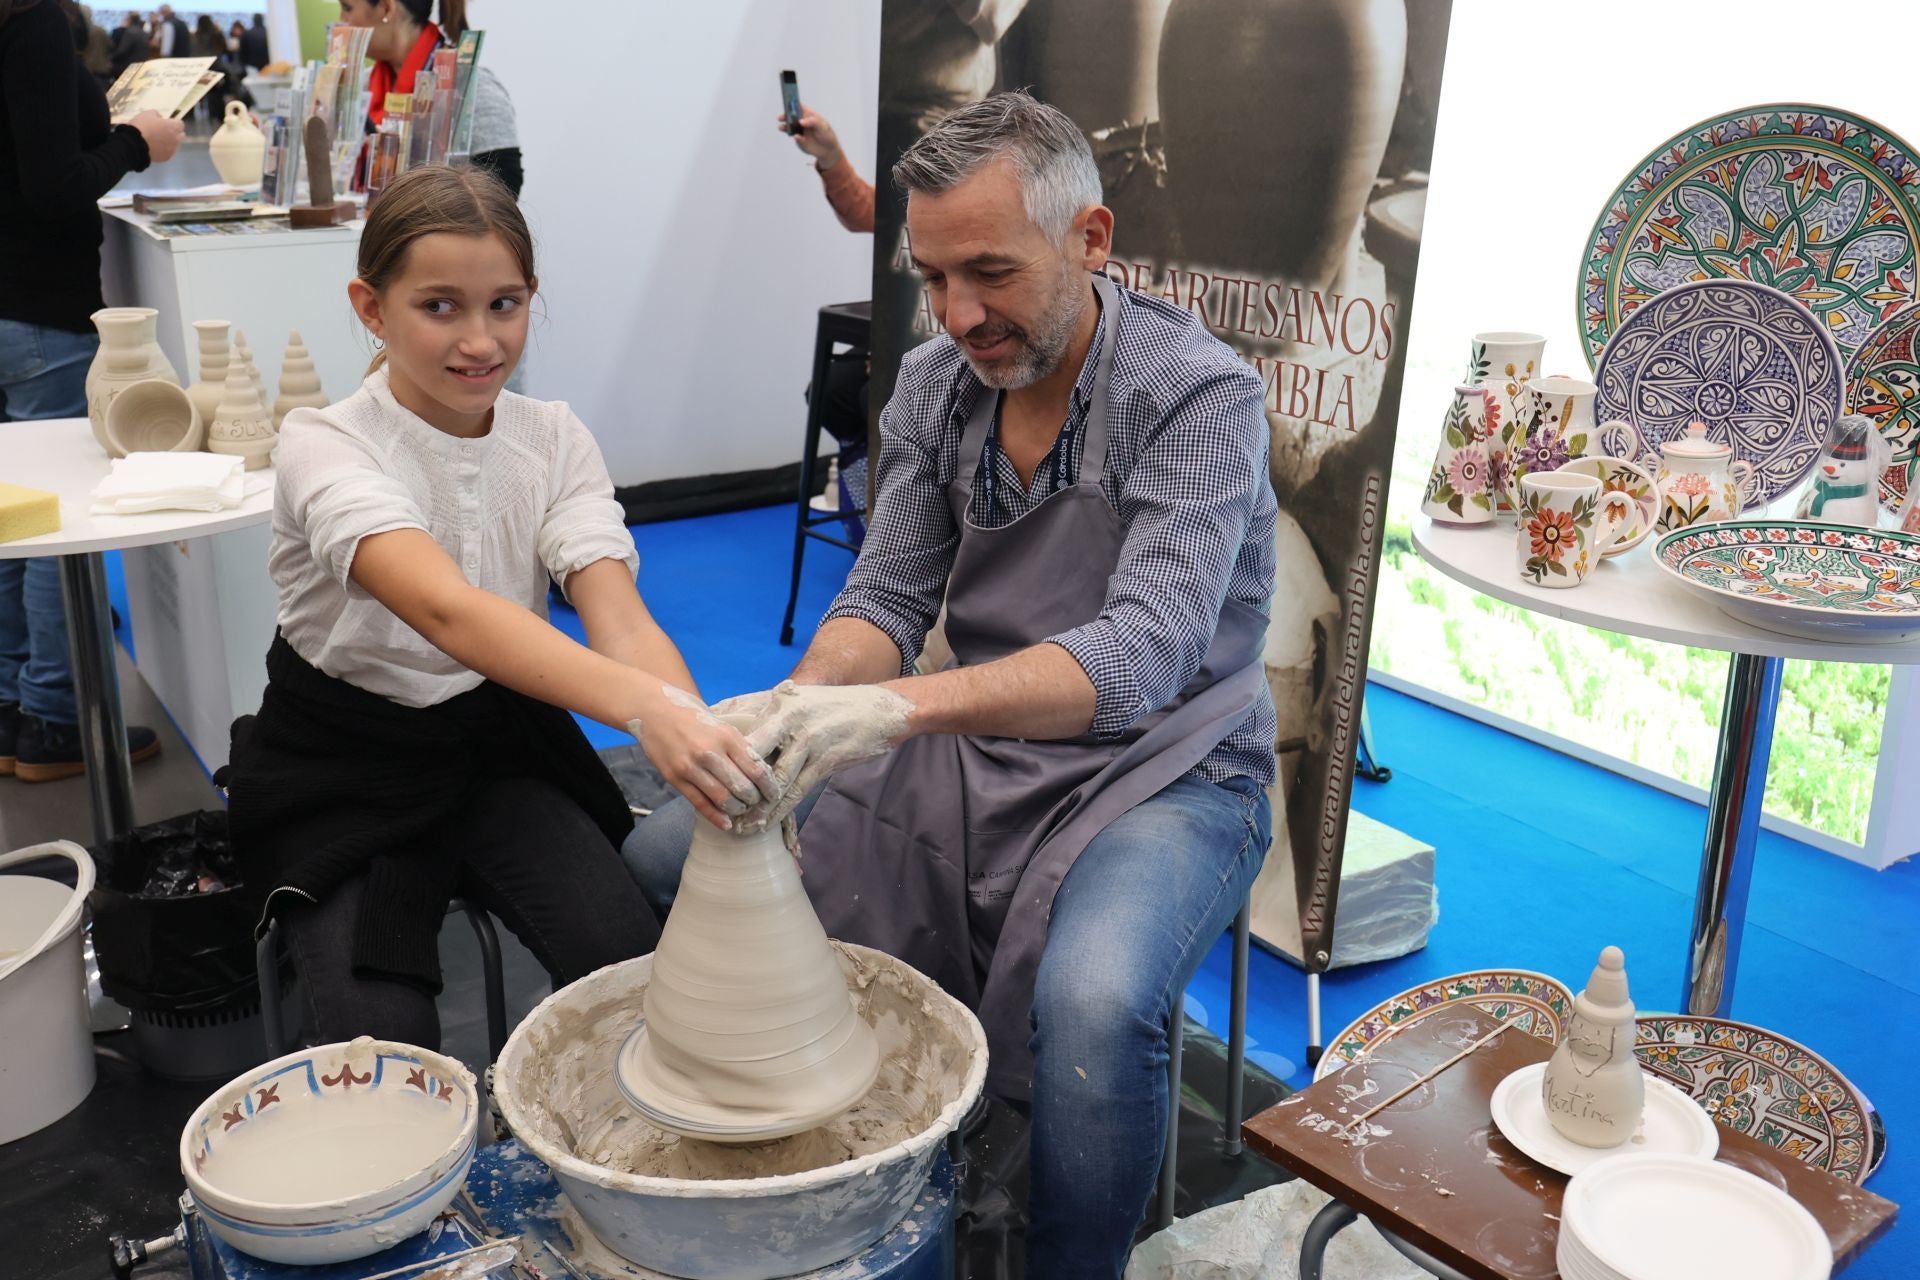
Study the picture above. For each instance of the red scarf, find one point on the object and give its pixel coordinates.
(383, 81)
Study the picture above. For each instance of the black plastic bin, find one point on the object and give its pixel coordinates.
(179, 957)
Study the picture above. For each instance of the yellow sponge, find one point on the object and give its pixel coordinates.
(27, 513)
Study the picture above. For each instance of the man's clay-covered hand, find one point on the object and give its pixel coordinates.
(808, 733)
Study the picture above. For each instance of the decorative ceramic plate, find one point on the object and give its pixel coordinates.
(1815, 202)
(1672, 1122)
(1883, 382)
(1631, 479)
(1747, 360)
(1540, 1001)
(1765, 1086)
(1818, 581)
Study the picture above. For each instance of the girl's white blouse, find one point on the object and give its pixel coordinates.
(527, 503)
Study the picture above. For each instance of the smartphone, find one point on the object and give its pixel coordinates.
(790, 100)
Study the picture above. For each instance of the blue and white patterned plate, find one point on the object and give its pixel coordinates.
(1747, 360)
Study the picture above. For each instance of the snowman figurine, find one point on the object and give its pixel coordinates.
(1846, 479)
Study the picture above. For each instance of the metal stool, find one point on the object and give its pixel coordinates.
(267, 968)
(848, 324)
(1236, 1065)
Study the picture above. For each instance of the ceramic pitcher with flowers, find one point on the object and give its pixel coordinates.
(1460, 487)
(1505, 362)
(1700, 481)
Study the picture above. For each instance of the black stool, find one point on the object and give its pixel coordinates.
(847, 324)
(266, 960)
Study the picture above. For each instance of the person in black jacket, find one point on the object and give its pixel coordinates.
(130, 44)
(59, 153)
(254, 51)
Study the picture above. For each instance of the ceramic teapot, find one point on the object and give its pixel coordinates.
(1700, 481)
(238, 149)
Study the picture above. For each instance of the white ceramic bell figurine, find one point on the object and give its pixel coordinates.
(1845, 488)
(238, 149)
(242, 426)
(750, 1031)
(299, 384)
(1592, 1090)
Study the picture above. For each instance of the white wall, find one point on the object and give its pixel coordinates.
(684, 246)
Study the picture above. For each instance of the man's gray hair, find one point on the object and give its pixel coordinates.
(1058, 177)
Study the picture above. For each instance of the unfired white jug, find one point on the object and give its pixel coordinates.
(238, 148)
(129, 353)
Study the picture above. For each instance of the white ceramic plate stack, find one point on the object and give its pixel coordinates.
(1664, 1217)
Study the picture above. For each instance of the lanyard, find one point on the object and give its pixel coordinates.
(1058, 462)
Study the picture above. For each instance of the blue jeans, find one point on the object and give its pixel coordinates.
(1132, 921)
(43, 374)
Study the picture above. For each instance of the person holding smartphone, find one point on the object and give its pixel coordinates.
(850, 195)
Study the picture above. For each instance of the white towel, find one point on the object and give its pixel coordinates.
(171, 482)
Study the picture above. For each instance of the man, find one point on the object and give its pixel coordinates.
(130, 44)
(254, 53)
(1058, 827)
(175, 41)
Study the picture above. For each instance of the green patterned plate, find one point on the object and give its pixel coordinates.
(1883, 382)
(1801, 578)
(1817, 203)
(1765, 1086)
(1542, 1002)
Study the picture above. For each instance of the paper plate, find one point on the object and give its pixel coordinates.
(1672, 1125)
(1819, 203)
(1659, 1215)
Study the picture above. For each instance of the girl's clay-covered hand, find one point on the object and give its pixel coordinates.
(704, 759)
(811, 732)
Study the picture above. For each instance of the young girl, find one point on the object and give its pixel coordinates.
(411, 744)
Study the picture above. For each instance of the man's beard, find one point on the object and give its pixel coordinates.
(1035, 353)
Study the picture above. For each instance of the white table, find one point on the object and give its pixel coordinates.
(60, 455)
(1629, 594)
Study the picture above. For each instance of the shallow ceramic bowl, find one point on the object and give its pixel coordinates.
(1542, 1003)
(153, 417)
(557, 1064)
(332, 1153)
(1801, 578)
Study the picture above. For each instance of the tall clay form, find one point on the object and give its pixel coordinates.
(215, 352)
(750, 1032)
(299, 384)
(1276, 115)
(242, 426)
(128, 354)
(1593, 1090)
(244, 355)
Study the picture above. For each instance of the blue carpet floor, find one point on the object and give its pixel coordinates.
(1538, 872)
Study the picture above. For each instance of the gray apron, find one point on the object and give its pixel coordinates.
(947, 851)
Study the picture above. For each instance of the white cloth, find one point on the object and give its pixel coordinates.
(170, 482)
(529, 501)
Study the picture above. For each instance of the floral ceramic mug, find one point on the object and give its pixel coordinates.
(1567, 522)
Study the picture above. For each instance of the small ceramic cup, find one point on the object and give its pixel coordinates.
(1567, 522)
(1460, 488)
(153, 417)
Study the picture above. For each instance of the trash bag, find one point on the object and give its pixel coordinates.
(172, 922)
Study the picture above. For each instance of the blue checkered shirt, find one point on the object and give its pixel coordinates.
(1186, 470)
